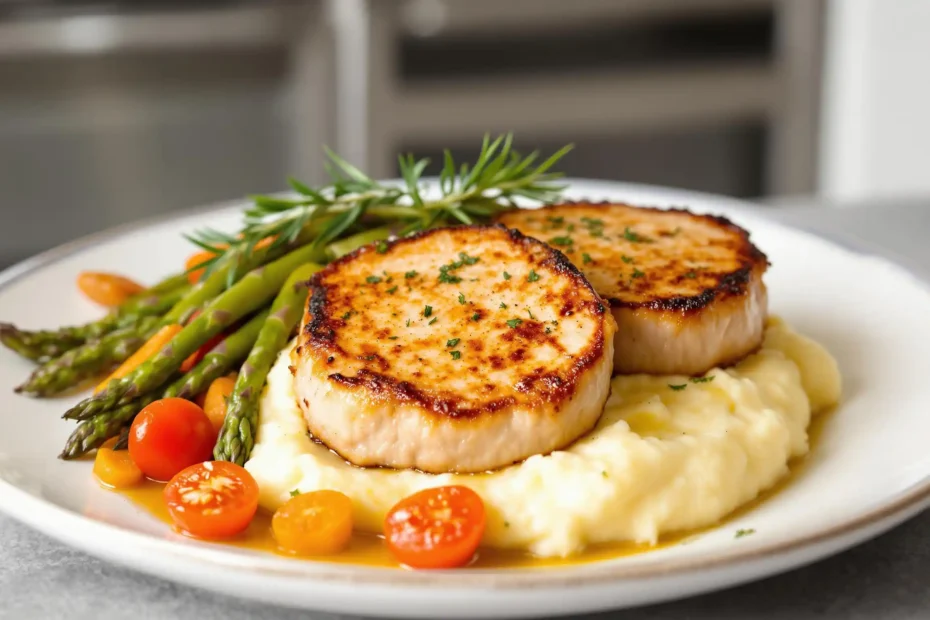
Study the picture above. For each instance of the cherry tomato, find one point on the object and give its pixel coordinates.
(214, 404)
(115, 469)
(316, 523)
(436, 528)
(201, 353)
(212, 500)
(169, 435)
(107, 289)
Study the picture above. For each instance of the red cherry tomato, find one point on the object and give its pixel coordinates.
(436, 528)
(169, 435)
(212, 500)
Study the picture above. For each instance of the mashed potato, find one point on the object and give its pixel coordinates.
(662, 458)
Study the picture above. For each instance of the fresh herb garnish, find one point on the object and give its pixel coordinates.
(586, 258)
(455, 354)
(410, 274)
(503, 306)
(476, 316)
(514, 323)
(506, 276)
(533, 276)
(335, 212)
(381, 247)
(427, 310)
(408, 322)
(548, 330)
(392, 290)
(632, 236)
(592, 222)
(531, 314)
(373, 279)
(447, 278)
(702, 379)
(740, 533)
(461, 299)
(626, 259)
(392, 337)
(691, 274)
(561, 241)
(453, 342)
(555, 221)
(678, 388)
(295, 493)
(435, 318)
(637, 273)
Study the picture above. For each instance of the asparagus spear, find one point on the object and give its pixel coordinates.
(219, 361)
(251, 293)
(87, 360)
(237, 436)
(94, 430)
(43, 345)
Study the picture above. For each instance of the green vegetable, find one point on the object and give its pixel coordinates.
(237, 436)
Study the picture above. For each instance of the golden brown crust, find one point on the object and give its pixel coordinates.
(646, 257)
(379, 343)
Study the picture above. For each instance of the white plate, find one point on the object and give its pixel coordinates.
(870, 471)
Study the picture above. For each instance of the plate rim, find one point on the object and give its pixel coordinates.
(42, 515)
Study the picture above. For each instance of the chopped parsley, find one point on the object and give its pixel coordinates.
(476, 316)
(556, 221)
(427, 310)
(468, 260)
(435, 318)
(373, 279)
(455, 354)
(392, 337)
(453, 342)
(637, 273)
(678, 388)
(503, 306)
(408, 322)
(392, 290)
(461, 299)
(447, 278)
(570, 228)
(514, 323)
(548, 330)
(563, 241)
(295, 493)
(626, 259)
(410, 274)
(633, 237)
(345, 317)
(702, 379)
(740, 533)
(586, 258)
(381, 247)
(533, 276)
(506, 276)
(592, 222)
(531, 314)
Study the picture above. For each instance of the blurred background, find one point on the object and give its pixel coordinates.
(114, 111)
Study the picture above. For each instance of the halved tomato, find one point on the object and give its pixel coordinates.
(212, 500)
(436, 528)
(315, 523)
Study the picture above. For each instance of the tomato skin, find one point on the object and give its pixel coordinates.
(169, 435)
(115, 469)
(107, 289)
(212, 500)
(436, 528)
(316, 523)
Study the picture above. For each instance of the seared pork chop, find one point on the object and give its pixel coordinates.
(454, 350)
(686, 290)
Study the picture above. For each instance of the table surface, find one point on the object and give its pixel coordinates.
(886, 578)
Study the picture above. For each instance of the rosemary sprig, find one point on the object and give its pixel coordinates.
(354, 202)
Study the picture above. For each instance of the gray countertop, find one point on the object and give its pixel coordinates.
(885, 578)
